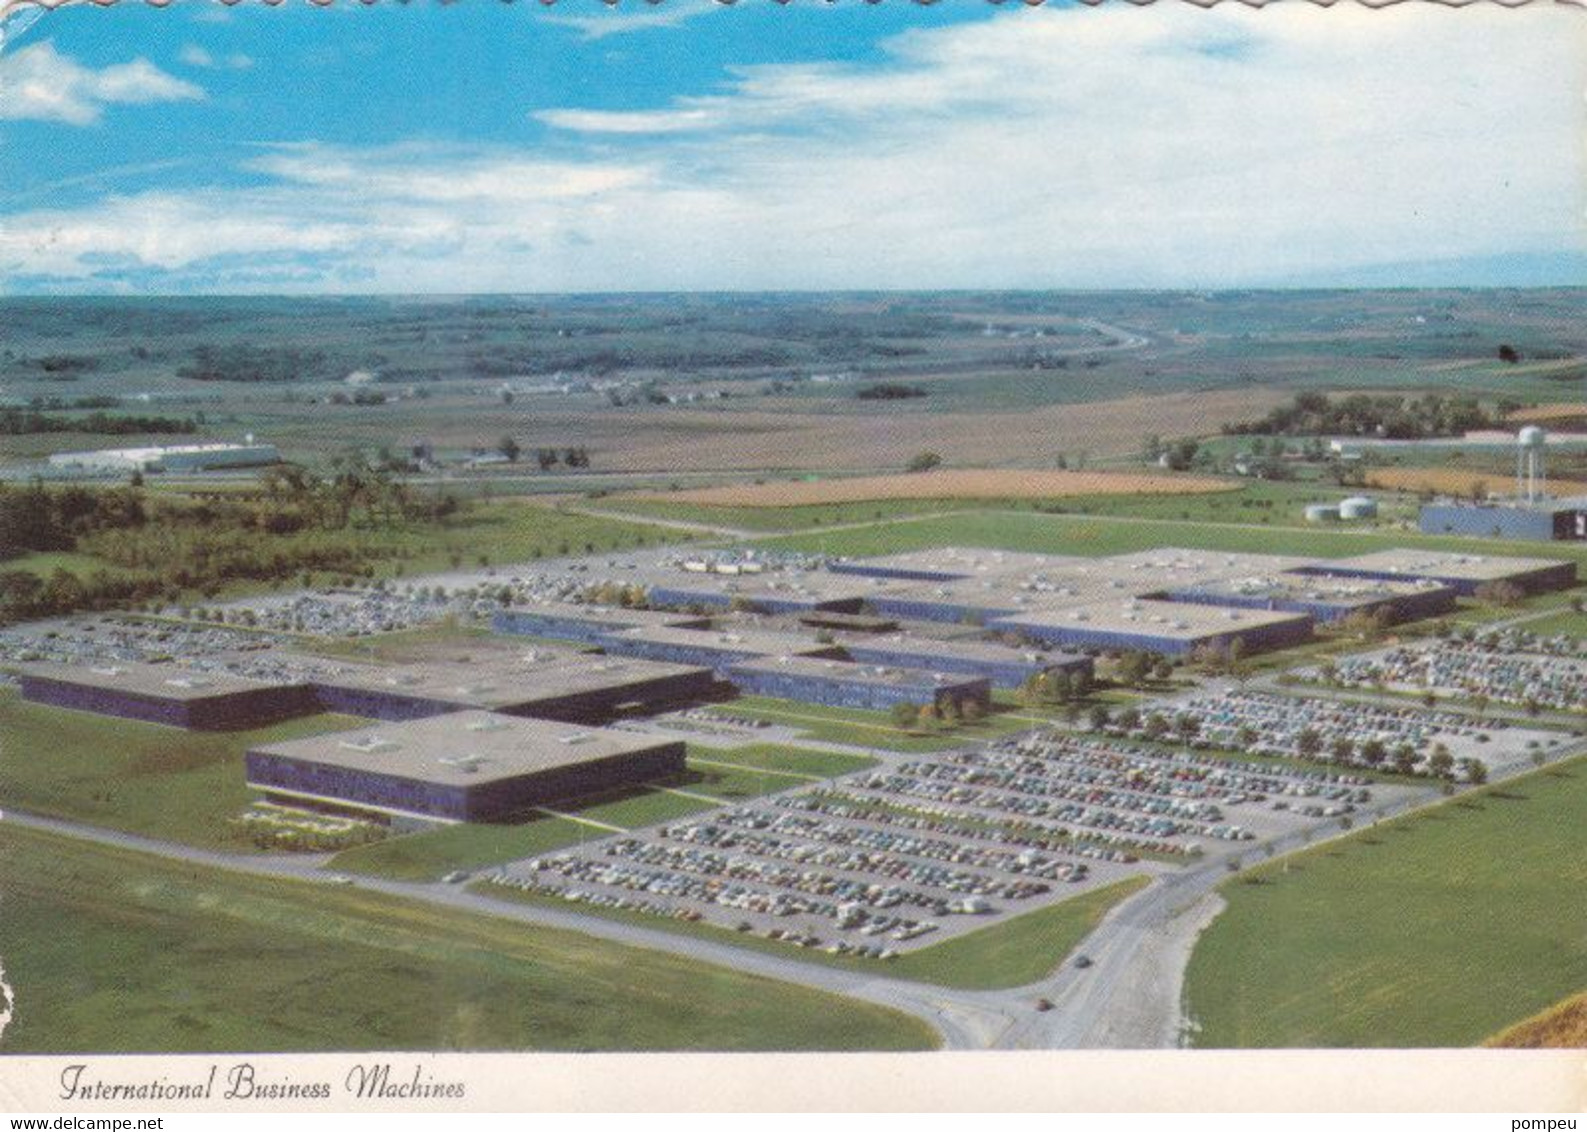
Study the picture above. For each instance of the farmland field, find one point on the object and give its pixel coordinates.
(1460, 482)
(1438, 929)
(228, 962)
(957, 484)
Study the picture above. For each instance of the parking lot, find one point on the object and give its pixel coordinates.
(1355, 732)
(918, 850)
(1513, 668)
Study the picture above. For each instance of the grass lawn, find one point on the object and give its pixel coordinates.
(140, 777)
(431, 855)
(1097, 536)
(505, 532)
(167, 957)
(860, 728)
(789, 518)
(1567, 623)
(1010, 953)
(1438, 929)
(777, 757)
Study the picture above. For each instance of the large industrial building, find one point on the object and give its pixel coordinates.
(716, 650)
(1530, 515)
(586, 623)
(587, 688)
(166, 693)
(840, 684)
(1172, 628)
(1557, 520)
(467, 766)
(1463, 573)
(1324, 597)
(1004, 667)
(169, 458)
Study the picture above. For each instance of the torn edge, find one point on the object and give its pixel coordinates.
(11, 7)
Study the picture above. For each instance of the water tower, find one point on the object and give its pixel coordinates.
(1531, 472)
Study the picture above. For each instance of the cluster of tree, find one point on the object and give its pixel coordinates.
(890, 391)
(1177, 455)
(62, 367)
(359, 397)
(946, 713)
(28, 422)
(1054, 688)
(627, 595)
(161, 547)
(1360, 414)
(923, 462)
(1501, 593)
(1136, 668)
(247, 363)
(545, 458)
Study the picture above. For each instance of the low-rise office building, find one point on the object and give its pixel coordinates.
(467, 766)
(167, 694)
(842, 684)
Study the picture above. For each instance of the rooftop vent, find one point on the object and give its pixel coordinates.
(368, 745)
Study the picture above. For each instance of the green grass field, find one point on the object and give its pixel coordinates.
(1438, 929)
(430, 855)
(1566, 622)
(1011, 953)
(1098, 536)
(140, 777)
(166, 957)
(860, 728)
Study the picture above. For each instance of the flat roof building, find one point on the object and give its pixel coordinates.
(838, 683)
(1324, 597)
(582, 687)
(1168, 627)
(711, 649)
(468, 766)
(170, 458)
(1558, 520)
(1463, 572)
(1004, 667)
(586, 623)
(948, 563)
(167, 694)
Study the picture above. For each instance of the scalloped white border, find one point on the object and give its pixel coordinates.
(8, 7)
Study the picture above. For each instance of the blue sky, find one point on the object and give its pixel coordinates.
(481, 146)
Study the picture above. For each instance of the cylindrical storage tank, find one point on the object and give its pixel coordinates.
(1358, 507)
(1322, 513)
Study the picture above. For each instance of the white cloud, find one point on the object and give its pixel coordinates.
(618, 21)
(1040, 148)
(42, 84)
(195, 56)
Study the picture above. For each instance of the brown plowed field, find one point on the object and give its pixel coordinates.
(948, 484)
(1560, 1027)
(1561, 414)
(1455, 481)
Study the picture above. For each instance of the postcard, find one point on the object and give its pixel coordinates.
(731, 556)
